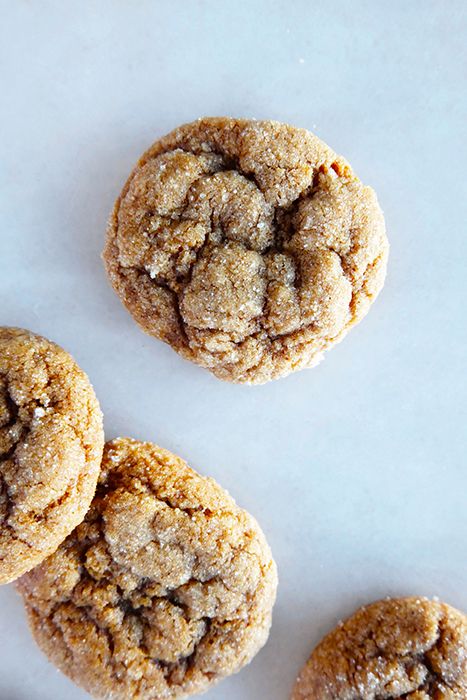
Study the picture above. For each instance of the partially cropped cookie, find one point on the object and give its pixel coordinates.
(249, 246)
(166, 587)
(399, 649)
(51, 441)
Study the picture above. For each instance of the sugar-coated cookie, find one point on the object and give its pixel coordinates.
(249, 246)
(166, 587)
(395, 649)
(51, 441)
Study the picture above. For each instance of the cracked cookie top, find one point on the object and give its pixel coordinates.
(248, 246)
(51, 441)
(166, 586)
(395, 649)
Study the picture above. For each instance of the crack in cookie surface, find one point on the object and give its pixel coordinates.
(250, 247)
(51, 441)
(166, 587)
(408, 648)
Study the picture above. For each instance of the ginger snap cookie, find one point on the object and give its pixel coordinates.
(166, 586)
(401, 648)
(51, 442)
(249, 246)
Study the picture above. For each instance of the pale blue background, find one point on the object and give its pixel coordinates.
(355, 469)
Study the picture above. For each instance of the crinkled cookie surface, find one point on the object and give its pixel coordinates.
(166, 587)
(395, 649)
(51, 441)
(248, 246)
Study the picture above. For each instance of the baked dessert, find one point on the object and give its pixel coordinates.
(51, 442)
(402, 648)
(249, 246)
(165, 588)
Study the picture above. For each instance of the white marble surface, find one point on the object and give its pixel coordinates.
(355, 469)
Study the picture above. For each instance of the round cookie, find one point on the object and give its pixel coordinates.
(249, 246)
(410, 648)
(51, 441)
(166, 587)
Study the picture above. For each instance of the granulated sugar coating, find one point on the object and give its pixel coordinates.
(406, 648)
(165, 588)
(51, 441)
(248, 246)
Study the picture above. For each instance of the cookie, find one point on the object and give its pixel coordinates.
(411, 648)
(51, 441)
(249, 246)
(166, 587)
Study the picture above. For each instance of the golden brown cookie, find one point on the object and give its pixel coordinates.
(51, 441)
(249, 246)
(166, 587)
(401, 648)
